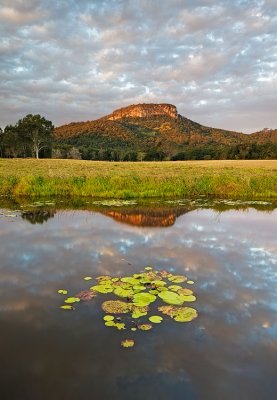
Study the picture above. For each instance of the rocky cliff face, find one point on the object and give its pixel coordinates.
(144, 111)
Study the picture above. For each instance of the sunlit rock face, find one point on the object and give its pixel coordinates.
(144, 111)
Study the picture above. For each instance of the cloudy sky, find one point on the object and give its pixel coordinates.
(75, 60)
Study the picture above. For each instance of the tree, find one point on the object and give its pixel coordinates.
(37, 132)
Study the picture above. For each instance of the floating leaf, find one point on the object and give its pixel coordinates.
(153, 291)
(118, 291)
(158, 283)
(115, 307)
(190, 282)
(127, 343)
(120, 326)
(102, 288)
(143, 299)
(103, 278)
(86, 295)
(188, 298)
(185, 292)
(156, 319)
(108, 318)
(133, 329)
(171, 298)
(174, 288)
(148, 268)
(145, 327)
(139, 288)
(162, 288)
(62, 291)
(72, 300)
(87, 278)
(177, 278)
(130, 280)
(109, 323)
(67, 307)
(179, 314)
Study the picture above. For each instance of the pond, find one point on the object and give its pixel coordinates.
(229, 250)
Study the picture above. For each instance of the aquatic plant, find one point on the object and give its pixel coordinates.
(131, 298)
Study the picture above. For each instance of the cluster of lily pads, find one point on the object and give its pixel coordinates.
(131, 300)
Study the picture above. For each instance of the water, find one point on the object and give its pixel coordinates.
(228, 352)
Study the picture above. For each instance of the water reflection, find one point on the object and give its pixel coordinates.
(229, 352)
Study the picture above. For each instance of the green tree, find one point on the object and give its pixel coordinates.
(37, 132)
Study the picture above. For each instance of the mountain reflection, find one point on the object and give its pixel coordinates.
(148, 217)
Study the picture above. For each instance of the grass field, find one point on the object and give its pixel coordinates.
(226, 178)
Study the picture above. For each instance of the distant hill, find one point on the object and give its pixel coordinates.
(157, 131)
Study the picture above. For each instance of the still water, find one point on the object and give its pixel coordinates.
(229, 352)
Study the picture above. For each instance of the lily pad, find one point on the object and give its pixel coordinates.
(190, 282)
(67, 307)
(156, 319)
(158, 283)
(115, 307)
(145, 327)
(102, 288)
(185, 292)
(108, 318)
(127, 343)
(143, 299)
(179, 314)
(118, 291)
(62, 291)
(87, 278)
(174, 288)
(72, 300)
(86, 295)
(171, 298)
(148, 268)
(109, 323)
(188, 298)
(131, 280)
(177, 278)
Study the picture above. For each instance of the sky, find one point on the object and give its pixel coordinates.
(77, 60)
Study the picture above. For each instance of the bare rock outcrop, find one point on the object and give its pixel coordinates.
(144, 111)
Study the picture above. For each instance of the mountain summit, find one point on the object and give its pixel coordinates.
(144, 111)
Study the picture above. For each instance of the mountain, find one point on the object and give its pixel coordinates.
(157, 131)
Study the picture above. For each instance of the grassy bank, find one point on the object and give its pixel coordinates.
(226, 178)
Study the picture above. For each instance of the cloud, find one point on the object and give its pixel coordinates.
(80, 60)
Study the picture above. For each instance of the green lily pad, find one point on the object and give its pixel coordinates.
(103, 278)
(148, 268)
(143, 299)
(62, 291)
(190, 282)
(139, 288)
(177, 278)
(179, 314)
(131, 280)
(118, 291)
(145, 327)
(174, 288)
(158, 283)
(115, 307)
(133, 329)
(156, 319)
(171, 298)
(72, 300)
(162, 288)
(109, 323)
(108, 318)
(120, 326)
(67, 307)
(102, 289)
(87, 278)
(188, 298)
(185, 292)
(153, 291)
(127, 343)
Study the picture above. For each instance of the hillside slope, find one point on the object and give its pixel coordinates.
(156, 128)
